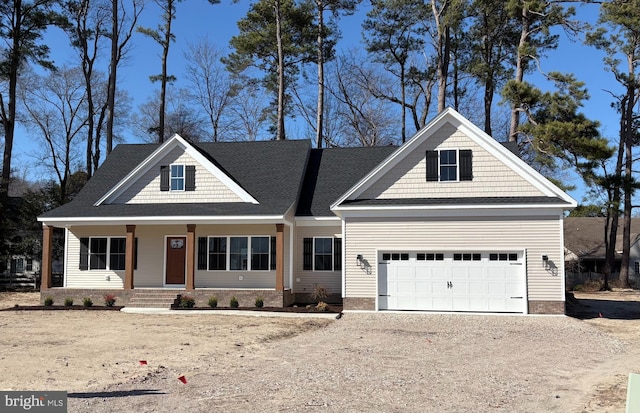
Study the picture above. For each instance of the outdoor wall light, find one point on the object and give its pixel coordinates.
(545, 258)
(359, 259)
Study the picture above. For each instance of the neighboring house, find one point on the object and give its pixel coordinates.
(450, 221)
(585, 251)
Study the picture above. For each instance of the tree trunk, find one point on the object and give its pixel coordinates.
(320, 108)
(515, 108)
(9, 119)
(280, 135)
(113, 68)
(164, 80)
(444, 47)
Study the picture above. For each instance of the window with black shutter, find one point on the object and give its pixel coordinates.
(307, 254)
(202, 253)
(466, 165)
(164, 178)
(84, 253)
(273, 253)
(432, 166)
(190, 178)
(337, 254)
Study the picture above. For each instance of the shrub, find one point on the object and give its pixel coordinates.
(233, 303)
(259, 302)
(109, 300)
(322, 306)
(319, 293)
(187, 301)
(68, 302)
(87, 302)
(48, 301)
(213, 301)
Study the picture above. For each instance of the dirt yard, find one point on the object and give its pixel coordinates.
(361, 362)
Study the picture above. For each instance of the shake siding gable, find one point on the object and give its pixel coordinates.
(538, 235)
(206, 187)
(490, 177)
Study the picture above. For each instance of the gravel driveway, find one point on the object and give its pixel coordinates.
(388, 362)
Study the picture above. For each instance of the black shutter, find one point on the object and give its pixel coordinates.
(135, 253)
(84, 253)
(307, 254)
(164, 178)
(432, 166)
(273, 253)
(202, 253)
(337, 254)
(466, 165)
(190, 178)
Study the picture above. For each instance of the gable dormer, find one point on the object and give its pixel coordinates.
(177, 172)
(451, 158)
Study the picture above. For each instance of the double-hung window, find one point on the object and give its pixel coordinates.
(177, 177)
(236, 253)
(104, 253)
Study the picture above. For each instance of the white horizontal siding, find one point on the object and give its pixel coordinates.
(306, 281)
(537, 235)
(490, 176)
(146, 189)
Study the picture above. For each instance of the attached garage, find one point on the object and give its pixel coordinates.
(478, 281)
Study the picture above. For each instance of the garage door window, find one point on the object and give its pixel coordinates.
(430, 256)
(503, 256)
(467, 256)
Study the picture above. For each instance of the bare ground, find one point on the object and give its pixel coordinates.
(362, 362)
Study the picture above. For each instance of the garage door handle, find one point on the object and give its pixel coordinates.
(384, 295)
(517, 297)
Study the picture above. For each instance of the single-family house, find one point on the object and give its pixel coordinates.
(585, 249)
(450, 221)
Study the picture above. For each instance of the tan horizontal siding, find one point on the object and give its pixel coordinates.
(490, 176)
(308, 280)
(146, 189)
(536, 235)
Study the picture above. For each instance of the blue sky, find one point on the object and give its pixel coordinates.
(197, 18)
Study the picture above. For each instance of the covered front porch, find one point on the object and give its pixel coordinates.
(245, 260)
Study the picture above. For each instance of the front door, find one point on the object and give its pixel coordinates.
(176, 255)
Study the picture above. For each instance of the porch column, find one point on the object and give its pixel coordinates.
(191, 256)
(279, 257)
(129, 257)
(45, 277)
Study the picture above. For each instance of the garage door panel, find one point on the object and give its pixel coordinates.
(457, 282)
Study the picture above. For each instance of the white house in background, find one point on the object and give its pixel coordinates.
(450, 221)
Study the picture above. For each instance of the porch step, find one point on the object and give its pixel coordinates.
(153, 299)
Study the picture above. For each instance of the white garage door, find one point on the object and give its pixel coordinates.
(491, 281)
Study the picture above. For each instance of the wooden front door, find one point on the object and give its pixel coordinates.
(176, 254)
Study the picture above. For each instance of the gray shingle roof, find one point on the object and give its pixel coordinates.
(271, 171)
(332, 172)
(584, 236)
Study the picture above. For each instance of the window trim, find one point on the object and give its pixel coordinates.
(182, 178)
(228, 253)
(455, 165)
